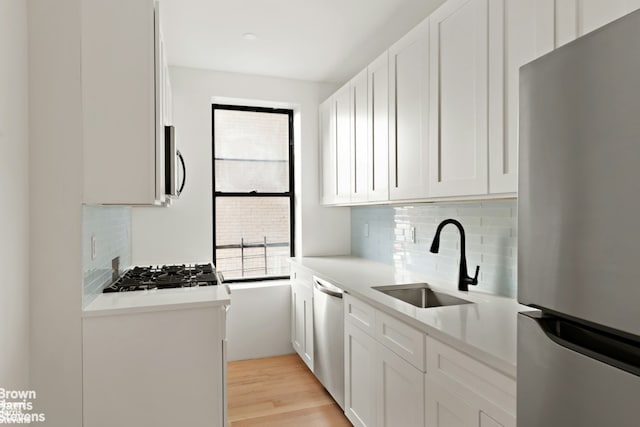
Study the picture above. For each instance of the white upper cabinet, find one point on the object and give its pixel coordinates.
(409, 113)
(575, 18)
(443, 101)
(328, 151)
(359, 137)
(123, 96)
(459, 98)
(343, 113)
(520, 31)
(378, 124)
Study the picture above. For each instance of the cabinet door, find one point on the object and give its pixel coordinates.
(409, 119)
(343, 108)
(359, 159)
(302, 322)
(297, 319)
(459, 98)
(359, 376)
(178, 352)
(378, 115)
(162, 111)
(118, 75)
(521, 30)
(328, 151)
(575, 18)
(444, 409)
(400, 391)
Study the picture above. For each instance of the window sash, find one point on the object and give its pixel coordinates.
(257, 194)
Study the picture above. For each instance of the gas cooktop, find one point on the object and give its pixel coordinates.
(164, 277)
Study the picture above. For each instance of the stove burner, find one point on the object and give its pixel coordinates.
(164, 277)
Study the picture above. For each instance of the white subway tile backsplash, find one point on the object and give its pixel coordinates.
(111, 228)
(491, 231)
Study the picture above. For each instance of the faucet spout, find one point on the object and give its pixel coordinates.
(464, 280)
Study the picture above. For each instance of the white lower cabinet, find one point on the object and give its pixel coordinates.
(360, 390)
(461, 391)
(400, 391)
(444, 409)
(155, 369)
(386, 385)
(302, 319)
(381, 388)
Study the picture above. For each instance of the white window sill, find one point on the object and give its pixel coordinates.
(258, 284)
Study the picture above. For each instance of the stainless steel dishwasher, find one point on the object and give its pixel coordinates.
(328, 328)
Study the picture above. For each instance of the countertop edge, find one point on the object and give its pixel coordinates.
(114, 304)
(154, 308)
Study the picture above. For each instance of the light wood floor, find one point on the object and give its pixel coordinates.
(279, 391)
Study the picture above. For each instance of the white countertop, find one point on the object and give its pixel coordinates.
(486, 330)
(156, 300)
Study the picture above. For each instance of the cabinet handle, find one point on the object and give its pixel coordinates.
(184, 171)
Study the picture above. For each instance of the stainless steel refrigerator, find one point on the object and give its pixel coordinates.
(579, 232)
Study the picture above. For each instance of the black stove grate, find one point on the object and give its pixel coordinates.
(164, 277)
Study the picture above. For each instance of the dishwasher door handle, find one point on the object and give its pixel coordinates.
(321, 287)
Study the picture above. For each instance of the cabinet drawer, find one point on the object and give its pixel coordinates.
(300, 275)
(359, 314)
(402, 339)
(470, 378)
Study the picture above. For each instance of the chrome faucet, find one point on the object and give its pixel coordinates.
(463, 278)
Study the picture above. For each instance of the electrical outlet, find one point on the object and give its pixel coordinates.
(413, 235)
(93, 247)
(366, 230)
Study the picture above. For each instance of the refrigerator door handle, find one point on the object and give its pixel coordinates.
(608, 348)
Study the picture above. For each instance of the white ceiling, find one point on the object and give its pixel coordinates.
(314, 40)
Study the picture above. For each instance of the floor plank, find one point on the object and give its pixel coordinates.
(279, 391)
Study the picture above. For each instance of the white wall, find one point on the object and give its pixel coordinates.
(14, 208)
(259, 321)
(183, 232)
(55, 126)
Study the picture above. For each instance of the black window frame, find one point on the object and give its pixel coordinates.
(254, 194)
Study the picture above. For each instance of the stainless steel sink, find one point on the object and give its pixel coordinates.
(420, 295)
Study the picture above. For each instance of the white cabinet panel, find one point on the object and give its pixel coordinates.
(520, 31)
(593, 14)
(132, 361)
(343, 110)
(444, 409)
(483, 396)
(400, 400)
(459, 98)
(360, 390)
(122, 99)
(297, 320)
(328, 151)
(409, 118)
(381, 388)
(359, 138)
(407, 342)
(302, 320)
(360, 314)
(378, 115)
(575, 18)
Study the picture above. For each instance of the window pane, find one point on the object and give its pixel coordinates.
(251, 151)
(252, 236)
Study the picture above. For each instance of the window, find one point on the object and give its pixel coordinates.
(253, 221)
